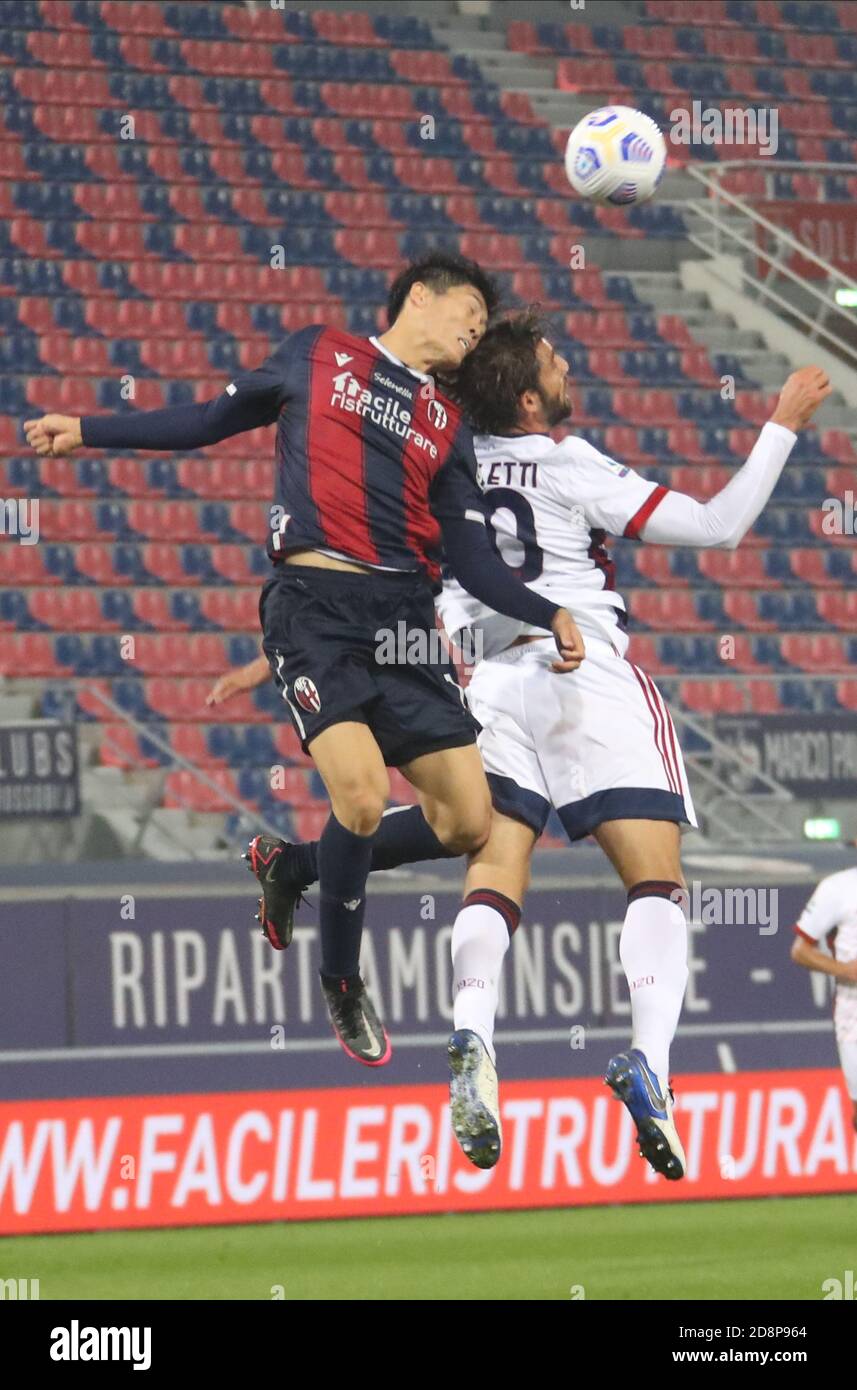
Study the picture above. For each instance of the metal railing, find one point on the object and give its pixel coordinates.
(816, 304)
(716, 799)
(176, 760)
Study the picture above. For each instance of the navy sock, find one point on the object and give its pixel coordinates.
(344, 860)
(403, 837)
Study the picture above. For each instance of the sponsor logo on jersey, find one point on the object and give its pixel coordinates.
(342, 358)
(390, 414)
(392, 385)
(619, 469)
(306, 694)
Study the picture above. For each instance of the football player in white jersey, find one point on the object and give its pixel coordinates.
(597, 744)
(830, 917)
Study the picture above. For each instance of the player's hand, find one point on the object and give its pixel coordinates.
(568, 640)
(239, 679)
(800, 398)
(233, 683)
(849, 971)
(58, 435)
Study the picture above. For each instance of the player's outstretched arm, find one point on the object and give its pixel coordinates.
(54, 434)
(252, 399)
(176, 427)
(239, 679)
(726, 518)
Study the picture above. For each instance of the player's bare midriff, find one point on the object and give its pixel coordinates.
(316, 560)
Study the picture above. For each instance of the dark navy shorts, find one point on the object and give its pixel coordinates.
(346, 647)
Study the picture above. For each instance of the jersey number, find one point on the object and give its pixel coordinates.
(525, 530)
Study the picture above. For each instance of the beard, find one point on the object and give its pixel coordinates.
(556, 408)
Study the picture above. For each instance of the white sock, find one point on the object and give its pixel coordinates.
(653, 952)
(480, 939)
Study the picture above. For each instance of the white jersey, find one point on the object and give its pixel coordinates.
(831, 916)
(550, 506)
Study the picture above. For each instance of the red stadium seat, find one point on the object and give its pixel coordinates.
(288, 746)
(809, 565)
(292, 787)
(741, 608)
(95, 561)
(667, 611)
(643, 651)
(838, 445)
(815, 652)
(119, 747)
(700, 483)
(744, 568)
(846, 694)
(152, 606)
(163, 562)
(66, 521)
(29, 654)
(232, 563)
(185, 790)
(655, 564)
(189, 741)
(310, 821)
(234, 610)
(839, 609)
(764, 697)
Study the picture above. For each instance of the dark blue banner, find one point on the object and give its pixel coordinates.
(39, 770)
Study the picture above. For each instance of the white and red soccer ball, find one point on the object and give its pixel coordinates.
(615, 155)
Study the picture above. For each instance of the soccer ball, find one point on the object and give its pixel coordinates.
(615, 155)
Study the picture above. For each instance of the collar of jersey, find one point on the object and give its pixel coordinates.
(391, 357)
(501, 441)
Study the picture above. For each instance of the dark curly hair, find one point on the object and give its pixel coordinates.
(490, 381)
(441, 270)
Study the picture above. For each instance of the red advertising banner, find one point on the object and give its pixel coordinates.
(828, 229)
(120, 1162)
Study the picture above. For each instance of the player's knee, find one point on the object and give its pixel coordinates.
(360, 809)
(466, 831)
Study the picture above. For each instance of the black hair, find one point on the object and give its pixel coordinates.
(490, 381)
(440, 270)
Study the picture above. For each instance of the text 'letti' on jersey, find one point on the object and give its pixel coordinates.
(550, 507)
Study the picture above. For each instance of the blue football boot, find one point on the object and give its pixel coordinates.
(632, 1081)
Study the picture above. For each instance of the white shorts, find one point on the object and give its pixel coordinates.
(597, 744)
(848, 1058)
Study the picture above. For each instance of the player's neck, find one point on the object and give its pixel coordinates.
(402, 344)
(533, 428)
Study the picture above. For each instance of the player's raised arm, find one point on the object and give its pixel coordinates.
(726, 518)
(457, 504)
(252, 399)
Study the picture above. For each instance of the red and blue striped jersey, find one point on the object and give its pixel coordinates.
(371, 459)
(372, 463)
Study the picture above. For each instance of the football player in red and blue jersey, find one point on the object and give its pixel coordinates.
(375, 475)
